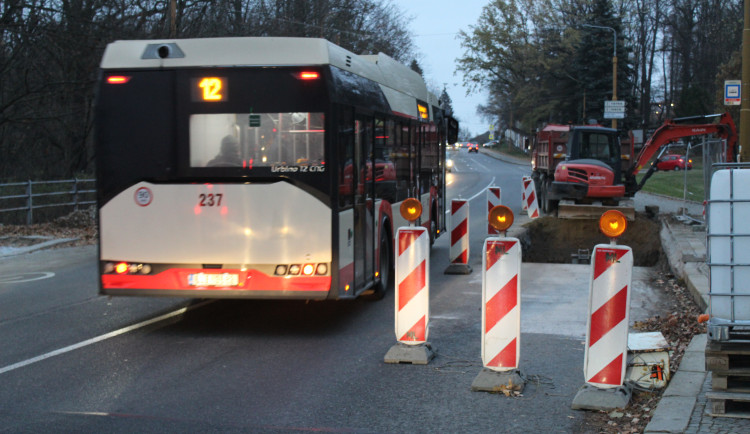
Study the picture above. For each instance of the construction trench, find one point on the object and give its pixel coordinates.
(565, 241)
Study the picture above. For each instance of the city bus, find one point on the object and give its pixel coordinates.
(259, 167)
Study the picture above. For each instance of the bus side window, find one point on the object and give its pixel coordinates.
(345, 151)
(401, 161)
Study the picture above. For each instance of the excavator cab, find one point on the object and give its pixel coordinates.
(601, 144)
(592, 169)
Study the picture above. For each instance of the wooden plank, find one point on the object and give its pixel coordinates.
(728, 363)
(567, 209)
(730, 383)
(726, 404)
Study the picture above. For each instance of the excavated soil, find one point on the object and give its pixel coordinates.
(554, 240)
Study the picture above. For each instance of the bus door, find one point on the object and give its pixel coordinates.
(364, 204)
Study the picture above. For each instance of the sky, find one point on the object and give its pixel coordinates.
(435, 27)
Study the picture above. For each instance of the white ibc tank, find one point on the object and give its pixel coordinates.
(729, 246)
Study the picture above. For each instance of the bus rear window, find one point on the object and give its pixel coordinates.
(256, 139)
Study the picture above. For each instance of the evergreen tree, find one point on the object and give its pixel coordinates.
(415, 67)
(445, 102)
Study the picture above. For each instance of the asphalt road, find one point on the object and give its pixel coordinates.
(75, 361)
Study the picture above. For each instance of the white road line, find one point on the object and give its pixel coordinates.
(492, 182)
(100, 338)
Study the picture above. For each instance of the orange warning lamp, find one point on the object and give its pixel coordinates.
(411, 209)
(500, 217)
(613, 223)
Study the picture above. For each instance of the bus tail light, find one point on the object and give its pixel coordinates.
(126, 268)
(308, 75)
(320, 269)
(118, 79)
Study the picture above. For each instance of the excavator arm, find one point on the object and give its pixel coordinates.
(670, 131)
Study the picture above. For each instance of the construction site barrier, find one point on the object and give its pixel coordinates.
(605, 358)
(501, 309)
(412, 285)
(532, 205)
(493, 199)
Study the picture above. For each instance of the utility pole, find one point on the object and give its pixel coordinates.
(745, 89)
(173, 19)
(614, 63)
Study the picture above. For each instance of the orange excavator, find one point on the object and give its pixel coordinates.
(582, 166)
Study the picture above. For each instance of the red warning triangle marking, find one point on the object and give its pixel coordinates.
(406, 238)
(501, 303)
(496, 250)
(611, 374)
(605, 258)
(505, 358)
(456, 205)
(416, 332)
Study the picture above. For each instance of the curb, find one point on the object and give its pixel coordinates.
(35, 247)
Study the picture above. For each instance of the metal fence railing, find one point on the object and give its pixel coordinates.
(20, 200)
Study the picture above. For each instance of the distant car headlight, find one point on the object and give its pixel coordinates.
(449, 164)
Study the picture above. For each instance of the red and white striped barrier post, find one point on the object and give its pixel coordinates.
(523, 193)
(532, 205)
(501, 310)
(459, 251)
(493, 199)
(605, 358)
(412, 301)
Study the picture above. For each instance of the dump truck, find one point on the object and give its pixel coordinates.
(579, 171)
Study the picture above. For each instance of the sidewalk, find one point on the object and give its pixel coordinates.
(682, 408)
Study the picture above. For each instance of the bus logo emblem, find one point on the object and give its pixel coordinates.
(143, 196)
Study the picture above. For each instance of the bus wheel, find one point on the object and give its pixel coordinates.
(385, 269)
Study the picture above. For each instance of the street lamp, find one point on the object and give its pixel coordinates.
(614, 64)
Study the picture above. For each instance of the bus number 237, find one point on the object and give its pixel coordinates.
(210, 199)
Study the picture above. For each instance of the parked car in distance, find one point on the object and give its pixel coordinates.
(673, 162)
(474, 147)
(490, 144)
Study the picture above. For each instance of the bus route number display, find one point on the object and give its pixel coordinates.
(209, 89)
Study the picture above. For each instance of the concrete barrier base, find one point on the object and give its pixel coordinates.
(505, 382)
(419, 354)
(593, 398)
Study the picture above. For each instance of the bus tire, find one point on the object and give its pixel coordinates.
(385, 270)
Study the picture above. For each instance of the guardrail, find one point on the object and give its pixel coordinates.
(26, 197)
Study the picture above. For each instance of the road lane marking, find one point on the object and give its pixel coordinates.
(27, 277)
(101, 338)
(492, 182)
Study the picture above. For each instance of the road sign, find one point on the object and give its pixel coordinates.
(254, 120)
(732, 92)
(614, 104)
(614, 109)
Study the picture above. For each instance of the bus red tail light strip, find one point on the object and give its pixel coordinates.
(320, 269)
(249, 280)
